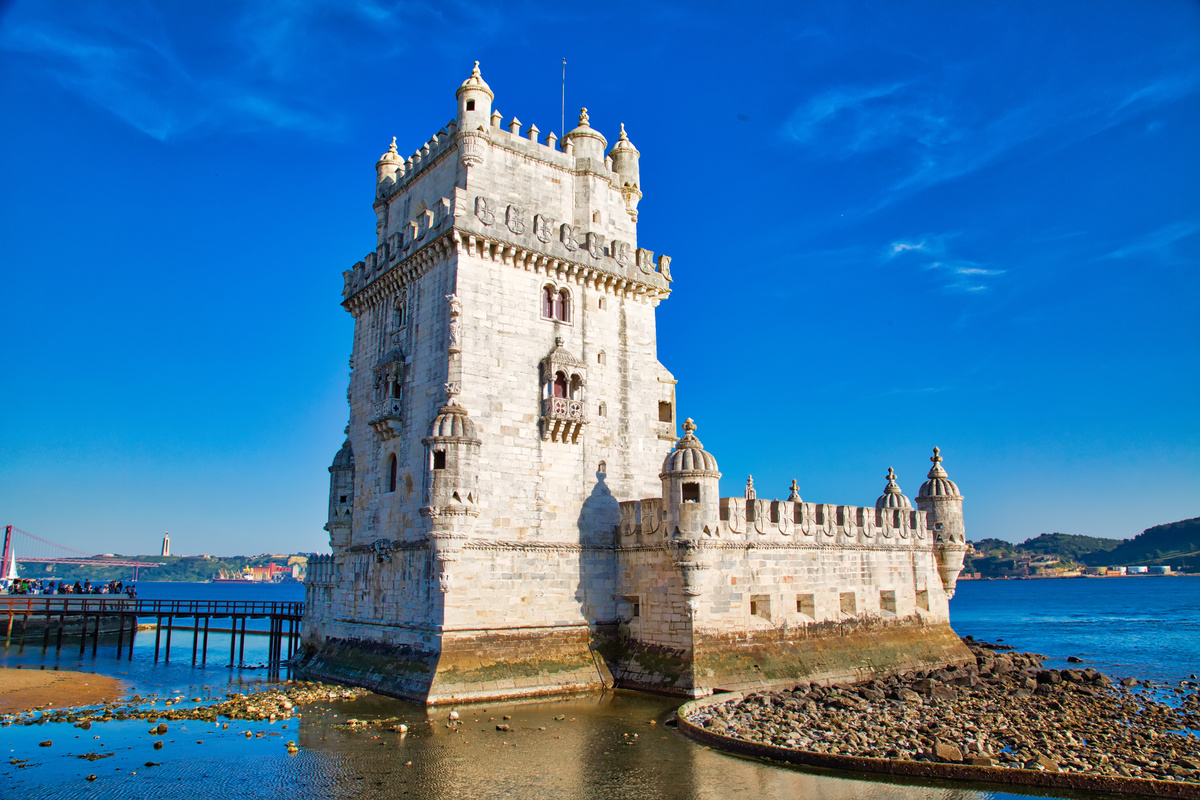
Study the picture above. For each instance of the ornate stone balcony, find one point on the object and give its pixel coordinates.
(386, 418)
(562, 419)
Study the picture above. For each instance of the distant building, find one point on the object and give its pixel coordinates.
(1160, 570)
(1137, 570)
(166, 548)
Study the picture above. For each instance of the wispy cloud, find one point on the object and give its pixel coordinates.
(933, 254)
(152, 67)
(1159, 243)
(930, 134)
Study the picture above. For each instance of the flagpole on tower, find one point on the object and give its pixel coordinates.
(563, 122)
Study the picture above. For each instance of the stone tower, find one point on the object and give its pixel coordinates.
(939, 497)
(505, 386)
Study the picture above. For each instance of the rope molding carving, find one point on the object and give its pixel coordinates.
(1000, 776)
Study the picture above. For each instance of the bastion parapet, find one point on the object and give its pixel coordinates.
(513, 513)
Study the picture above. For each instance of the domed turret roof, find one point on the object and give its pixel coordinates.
(344, 458)
(939, 484)
(476, 81)
(584, 129)
(623, 143)
(892, 497)
(689, 455)
(452, 422)
(392, 156)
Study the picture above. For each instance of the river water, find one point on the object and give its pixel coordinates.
(602, 747)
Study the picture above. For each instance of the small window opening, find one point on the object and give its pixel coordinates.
(665, 412)
(601, 358)
(602, 410)
(548, 302)
(343, 499)
(938, 526)
(392, 470)
(563, 306)
(806, 604)
(923, 599)
(560, 385)
(401, 315)
(637, 609)
(760, 606)
(470, 105)
(849, 605)
(602, 304)
(602, 468)
(691, 493)
(887, 602)
(439, 459)
(595, 216)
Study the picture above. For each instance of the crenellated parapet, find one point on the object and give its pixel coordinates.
(787, 522)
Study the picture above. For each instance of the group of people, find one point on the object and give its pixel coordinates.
(50, 586)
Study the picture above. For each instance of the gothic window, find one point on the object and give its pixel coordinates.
(397, 389)
(548, 302)
(392, 470)
(563, 307)
(576, 387)
(399, 314)
(560, 385)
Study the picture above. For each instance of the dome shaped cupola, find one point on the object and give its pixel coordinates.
(892, 497)
(587, 141)
(344, 460)
(689, 456)
(939, 483)
(452, 422)
(389, 167)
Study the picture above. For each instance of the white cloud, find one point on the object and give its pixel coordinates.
(1158, 243)
(933, 254)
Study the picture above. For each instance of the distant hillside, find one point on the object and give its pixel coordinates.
(1067, 545)
(1176, 543)
(175, 568)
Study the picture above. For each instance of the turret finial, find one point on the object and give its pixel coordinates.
(750, 487)
(937, 470)
(475, 71)
(689, 426)
(392, 149)
(559, 341)
(794, 495)
(936, 457)
(623, 137)
(583, 117)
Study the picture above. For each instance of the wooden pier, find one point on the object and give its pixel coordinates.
(83, 616)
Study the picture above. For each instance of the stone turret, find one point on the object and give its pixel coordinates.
(388, 169)
(587, 143)
(451, 481)
(892, 497)
(939, 497)
(341, 497)
(474, 118)
(691, 500)
(625, 162)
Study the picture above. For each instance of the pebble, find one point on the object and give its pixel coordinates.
(1004, 710)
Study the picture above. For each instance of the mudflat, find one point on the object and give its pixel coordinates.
(29, 689)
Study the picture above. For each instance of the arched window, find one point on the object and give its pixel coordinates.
(548, 298)
(602, 469)
(602, 410)
(595, 216)
(560, 385)
(563, 306)
(392, 470)
(399, 315)
(600, 357)
(576, 387)
(397, 389)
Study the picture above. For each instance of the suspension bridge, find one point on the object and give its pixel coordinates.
(22, 547)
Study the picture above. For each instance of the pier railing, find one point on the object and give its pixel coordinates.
(84, 615)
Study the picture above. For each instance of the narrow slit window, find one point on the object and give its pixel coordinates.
(564, 306)
(392, 472)
(548, 297)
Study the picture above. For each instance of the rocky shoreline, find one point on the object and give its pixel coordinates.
(1003, 711)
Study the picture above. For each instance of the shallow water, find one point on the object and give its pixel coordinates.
(587, 755)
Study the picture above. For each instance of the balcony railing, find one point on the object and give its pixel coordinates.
(562, 419)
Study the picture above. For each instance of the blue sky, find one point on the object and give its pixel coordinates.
(893, 225)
